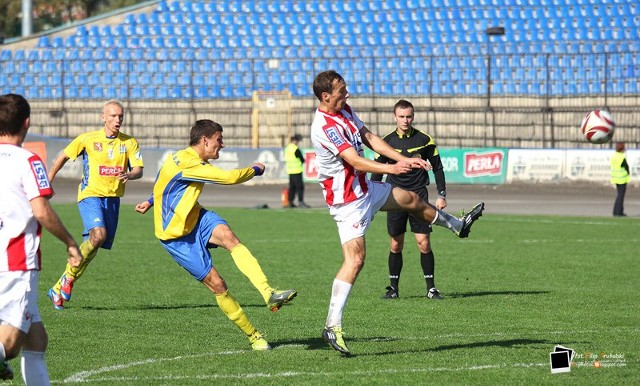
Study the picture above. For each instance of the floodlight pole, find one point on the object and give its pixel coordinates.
(491, 31)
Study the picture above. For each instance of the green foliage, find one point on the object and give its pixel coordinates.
(516, 288)
(53, 13)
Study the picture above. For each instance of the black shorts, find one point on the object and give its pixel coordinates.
(397, 220)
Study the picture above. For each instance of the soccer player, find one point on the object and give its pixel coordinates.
(411, 142)
(338, 136)
(25, 209)
(187, 230)
(110, 158)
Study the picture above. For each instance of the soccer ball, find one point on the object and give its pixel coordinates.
(598, 126)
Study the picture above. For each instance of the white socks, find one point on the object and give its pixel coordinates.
(446, 220)
(339, 295)
(34, 368)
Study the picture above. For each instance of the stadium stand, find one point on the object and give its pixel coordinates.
(550, 47)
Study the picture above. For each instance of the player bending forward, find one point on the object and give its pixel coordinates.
(187, 230)
(338, 136)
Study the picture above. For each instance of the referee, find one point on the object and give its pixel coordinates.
(411, 142)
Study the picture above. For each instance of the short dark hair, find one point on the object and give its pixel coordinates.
(323, 82)
(402, 104)
(203, 128)
(14, 110)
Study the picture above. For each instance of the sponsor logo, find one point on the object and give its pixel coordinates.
(483, 164)
(41, 174)
(110, 170)
(97, 146)
(334, 136)
(360, 224)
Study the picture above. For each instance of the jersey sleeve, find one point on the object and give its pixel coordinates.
(208, 173)
(75, 148)
(35, 180)
(134, 154)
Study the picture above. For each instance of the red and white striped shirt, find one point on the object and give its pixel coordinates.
(331, 134)
(24, 177)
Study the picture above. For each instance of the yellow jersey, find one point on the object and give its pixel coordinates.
(103, 158)
(178, 186)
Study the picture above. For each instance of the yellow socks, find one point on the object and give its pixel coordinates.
(249, 266)
(88, 251)
(234, 312)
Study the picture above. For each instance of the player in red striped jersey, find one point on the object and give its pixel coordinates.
(25, 209)
(339, 137)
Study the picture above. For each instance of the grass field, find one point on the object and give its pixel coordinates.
(516, 288)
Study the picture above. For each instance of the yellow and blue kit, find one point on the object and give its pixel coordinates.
(103, 158)
(178, 186)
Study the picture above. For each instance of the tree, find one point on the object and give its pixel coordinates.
(53, 13)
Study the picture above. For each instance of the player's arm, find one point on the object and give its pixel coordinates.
(438, 173)
(48, 218)
(381, 147)
(134, 174)
(351, 156)
(144, 206)
(208, 173)
(58, 163)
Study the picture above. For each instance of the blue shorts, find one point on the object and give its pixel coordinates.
(191, 251)
(100, 212)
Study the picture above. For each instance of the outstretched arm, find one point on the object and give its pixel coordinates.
(58, 163)
(381, 147)
(48, 218)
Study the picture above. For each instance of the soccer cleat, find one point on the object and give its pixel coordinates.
(56, 299)
(6, 371)
(258, 343)
(392, 293)
(279, 298)
(333, 336)
(468, 220)
(66, 287)
(434, 294)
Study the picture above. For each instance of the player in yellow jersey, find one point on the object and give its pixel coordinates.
(109, 159)
(187, 230)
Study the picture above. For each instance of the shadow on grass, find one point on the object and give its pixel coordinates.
(457, 295)
(143, 307)
(320, 344)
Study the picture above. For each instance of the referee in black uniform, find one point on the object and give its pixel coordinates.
(411, 142)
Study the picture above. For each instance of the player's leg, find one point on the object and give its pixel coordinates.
(353, 260)
(223, 236)
(100, 220)
(396, 228)
(34, 365)
(11, 340)
(409, 201)
(232, 309)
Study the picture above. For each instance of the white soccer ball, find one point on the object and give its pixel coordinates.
(598, 126)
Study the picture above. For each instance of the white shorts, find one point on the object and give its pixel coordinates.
(354, 218)
(19, 299)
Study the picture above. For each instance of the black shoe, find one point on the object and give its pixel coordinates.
(291, 205)
(303, 204)
(392, 293)
(434, 294)
(469, 218)
(620, 215)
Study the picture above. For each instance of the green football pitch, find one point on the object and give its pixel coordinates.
(516, 288)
